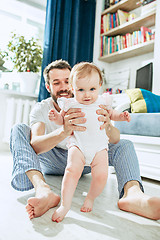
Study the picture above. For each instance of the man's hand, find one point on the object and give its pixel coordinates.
(112, 132)
(73, 117)
(104, 118)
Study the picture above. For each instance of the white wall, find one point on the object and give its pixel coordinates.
(156, 73)
(132, 63)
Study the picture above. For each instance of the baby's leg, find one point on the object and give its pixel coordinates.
(73, 171)
(99, 178)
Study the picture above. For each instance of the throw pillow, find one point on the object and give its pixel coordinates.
(143, 101)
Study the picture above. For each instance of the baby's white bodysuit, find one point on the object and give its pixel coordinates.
(92, 140)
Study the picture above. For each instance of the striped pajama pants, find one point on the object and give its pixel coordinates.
(121, 156)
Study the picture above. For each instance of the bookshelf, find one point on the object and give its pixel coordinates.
(126, 5)
(146, 20)
(133, 51)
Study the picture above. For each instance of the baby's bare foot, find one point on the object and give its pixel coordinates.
(88, 205)
(41, 203)
(59, 214)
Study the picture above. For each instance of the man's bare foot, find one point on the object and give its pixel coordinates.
(42, 202)
(59, 214)
(88, 205)
(139, 203)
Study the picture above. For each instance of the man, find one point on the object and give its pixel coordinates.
(42, 149)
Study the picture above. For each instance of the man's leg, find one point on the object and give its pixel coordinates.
(27, 172)
(44, 198)
(28, 168)
(132, 199)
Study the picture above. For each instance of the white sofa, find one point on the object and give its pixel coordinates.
(148, 152)
(144, 132)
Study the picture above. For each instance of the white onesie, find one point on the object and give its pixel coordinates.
(92, 140)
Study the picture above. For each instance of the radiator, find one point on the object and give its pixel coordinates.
(17, 111)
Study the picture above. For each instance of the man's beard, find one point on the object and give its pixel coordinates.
(68, 92)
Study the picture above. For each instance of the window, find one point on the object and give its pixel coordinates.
(25, 17)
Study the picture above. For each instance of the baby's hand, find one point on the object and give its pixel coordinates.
(125, 116)
(53, 115)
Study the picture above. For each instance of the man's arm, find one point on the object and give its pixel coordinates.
(112, 132)
(42, 142)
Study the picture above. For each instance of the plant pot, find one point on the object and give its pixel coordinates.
(28, 81)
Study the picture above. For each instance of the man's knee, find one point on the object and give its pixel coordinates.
(19, 128)
(126, 143)
(19, 133)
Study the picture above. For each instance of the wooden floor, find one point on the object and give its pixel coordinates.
(106, 221)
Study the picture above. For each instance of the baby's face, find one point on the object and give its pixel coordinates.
(86, 89)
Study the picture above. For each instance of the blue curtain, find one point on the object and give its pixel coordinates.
(69, 34)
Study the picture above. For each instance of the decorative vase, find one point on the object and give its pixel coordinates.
(28, 81)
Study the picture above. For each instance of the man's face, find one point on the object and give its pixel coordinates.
(58, 83)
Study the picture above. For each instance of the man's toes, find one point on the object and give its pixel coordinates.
(31, 216)
(30, 212)
(29, 207)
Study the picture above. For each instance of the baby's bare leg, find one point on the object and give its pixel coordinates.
(99, 178)
(73, 171)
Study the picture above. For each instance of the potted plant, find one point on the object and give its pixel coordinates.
(3, 56)
(26, 56)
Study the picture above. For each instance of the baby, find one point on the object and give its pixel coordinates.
(88, 148)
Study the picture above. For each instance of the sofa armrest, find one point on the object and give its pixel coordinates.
(123, 107)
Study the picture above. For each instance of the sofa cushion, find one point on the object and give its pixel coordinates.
(143, 101)
(145, 124)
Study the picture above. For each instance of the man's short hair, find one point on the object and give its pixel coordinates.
(58, 64)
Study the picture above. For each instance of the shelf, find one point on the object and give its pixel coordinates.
(126, 5)
(16, 93)
(133, 51)
(129, 27)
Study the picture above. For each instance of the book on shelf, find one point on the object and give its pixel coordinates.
(106, 22)
(109, 21)
(102, 25)
(113, 44)
(146, 33)
(106, 4)
(113, 20)
(122, 16)
(112, 2)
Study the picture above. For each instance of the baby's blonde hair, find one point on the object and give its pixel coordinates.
(82, 69)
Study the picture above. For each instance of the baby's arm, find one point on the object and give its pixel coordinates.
(55, 116)
(116, 116)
